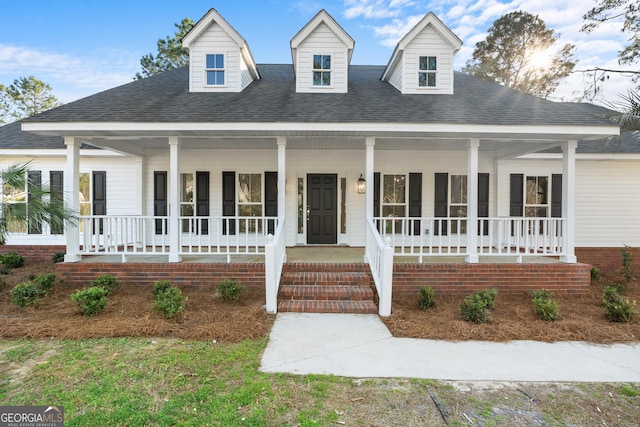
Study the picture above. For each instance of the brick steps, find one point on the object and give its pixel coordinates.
(326, 288)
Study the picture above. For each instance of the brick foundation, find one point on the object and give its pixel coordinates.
(608, 260)
(81, 274)
(453, 278)
(35, 252)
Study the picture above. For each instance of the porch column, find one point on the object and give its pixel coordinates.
(72, 187)
(472, 201)
(140, 205)
(569, 201)
(370, 143)
(174, 199)
(282, 176)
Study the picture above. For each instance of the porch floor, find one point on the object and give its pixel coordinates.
(317, 254)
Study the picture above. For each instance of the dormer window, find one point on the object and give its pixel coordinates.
(215, 69)
(427, 71)
(322, 70)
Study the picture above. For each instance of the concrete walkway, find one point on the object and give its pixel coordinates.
(360, 345)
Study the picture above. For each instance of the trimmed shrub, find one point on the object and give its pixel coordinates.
(426, 297)
(616, 307)
(107, 282)
(170, 301)
(230, 290)
(12, 260)
(91, 301)
(627, 263)
(160, 286)
(477, 306)
(58, 257)
(620, 288)
(595, 274)
(544, 305)
(4, 270)
(25, 295)
(45, 282)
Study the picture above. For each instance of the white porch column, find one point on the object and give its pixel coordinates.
(472, 201)
(72, 188)
(569, 201)
(140, 205)
(370, 143)
(174, 199)
(282, 176)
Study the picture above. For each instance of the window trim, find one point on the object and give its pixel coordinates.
(427, 72)
(322, 71)
(546, 206)
(222, 69)
(243, 225)
(404, 205)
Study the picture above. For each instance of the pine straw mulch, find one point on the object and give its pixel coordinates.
(129, 313)
(513, 319)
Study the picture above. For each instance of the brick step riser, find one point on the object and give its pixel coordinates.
(327, 267)
(289, 292)
(358, 307)
(326, 279)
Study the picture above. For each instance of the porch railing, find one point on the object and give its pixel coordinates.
(496, 236)
(379, 256)
(275, 257)
(149, 235)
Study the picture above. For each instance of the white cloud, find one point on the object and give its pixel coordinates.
(375, 9)
(70, 77)
(391, 34)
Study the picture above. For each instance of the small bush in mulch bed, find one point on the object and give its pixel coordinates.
(107, 282)
(477, 306)
(160, 286)
(12, 260)
(58, 257)
(25, 295)
(617, 307)
(170, 301)
(91, 301)
(544, 305)
(45, 282)
(426, 297)
(230, 290)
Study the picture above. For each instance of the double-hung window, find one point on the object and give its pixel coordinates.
(321, 70)
(394, 201)
(187, 205)
(250, 201)
(215, 69)
(536, 202)
(458, 203)
(14, 204)
(428, 67)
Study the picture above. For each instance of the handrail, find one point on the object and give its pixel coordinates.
(275, 257)
(379, 256)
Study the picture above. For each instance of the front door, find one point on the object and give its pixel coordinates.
(322, 209)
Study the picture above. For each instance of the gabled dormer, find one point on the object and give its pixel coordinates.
(219, 58)
(422, 62)
(321, 53)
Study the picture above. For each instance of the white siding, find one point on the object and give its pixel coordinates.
(396, 77)
(322, 41)
(215, 40)
(428, 43)
(122, 198)
(607, 198)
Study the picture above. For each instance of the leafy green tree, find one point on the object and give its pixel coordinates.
(40, 207)
(170, 54)
(4, 105)
(627, 11)
(517, 53)
(26, 97)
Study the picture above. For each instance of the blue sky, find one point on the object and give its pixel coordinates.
(83, 47)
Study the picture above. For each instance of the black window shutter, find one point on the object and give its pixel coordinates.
(56, 188)
(483, 201)
(441, 208)
(271, 199)
(229, 202)
(99, 201)
(160, 199)
(415, 200)
(34, 195)
(516, 203)
(202, 201)
(556, 195)
(376, 197)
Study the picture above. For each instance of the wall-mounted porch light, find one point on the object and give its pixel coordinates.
(362, 185)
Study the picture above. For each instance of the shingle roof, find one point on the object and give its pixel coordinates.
(165, 98)
(11, 136)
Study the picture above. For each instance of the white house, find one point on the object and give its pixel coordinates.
(412, 161)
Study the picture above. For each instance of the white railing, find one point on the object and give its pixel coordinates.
(379, 256)
(275, 257)
(420, 237)
(149, 235)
